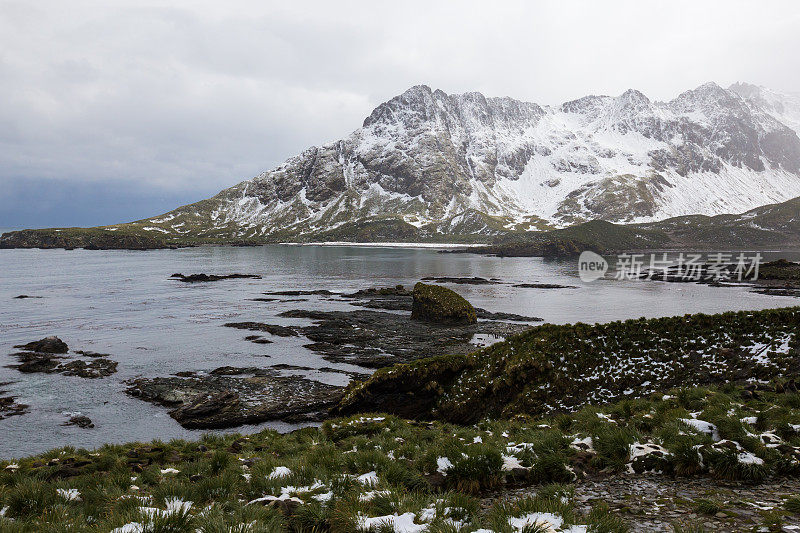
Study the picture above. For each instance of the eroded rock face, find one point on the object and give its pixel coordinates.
(433, 303)
(231, 398)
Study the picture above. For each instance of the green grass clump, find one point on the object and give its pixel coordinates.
(792, 504)
(707, 506)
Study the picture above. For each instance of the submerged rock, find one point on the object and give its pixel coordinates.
(315, 292)
(80, 421)
(9, 406)
(46, 356)
(230, 397)
(272, 329)
(98, 368)
(439, 304)
(46, 345)
(31, 362)
(462, 281)
(202, 278)
(543, 286)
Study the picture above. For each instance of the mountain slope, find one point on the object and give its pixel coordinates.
(775, 226)
(426, 157)
(428, 165)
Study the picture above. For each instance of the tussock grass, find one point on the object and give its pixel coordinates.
(364, 469)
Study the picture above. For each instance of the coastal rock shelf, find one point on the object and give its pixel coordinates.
(233, 397)
(377, 339)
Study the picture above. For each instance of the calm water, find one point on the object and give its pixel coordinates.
(122, 303)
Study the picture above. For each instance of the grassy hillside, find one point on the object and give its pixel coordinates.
(775, 225)
(547, 408)
(364, 472)
(552, 368)
(598, 236)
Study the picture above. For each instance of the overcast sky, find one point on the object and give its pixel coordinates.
(117, 110)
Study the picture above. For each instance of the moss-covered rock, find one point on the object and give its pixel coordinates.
(409, 390)
(433, 303)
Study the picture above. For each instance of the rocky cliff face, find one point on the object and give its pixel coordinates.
(430, 163)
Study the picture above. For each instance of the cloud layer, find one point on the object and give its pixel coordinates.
(177, 100)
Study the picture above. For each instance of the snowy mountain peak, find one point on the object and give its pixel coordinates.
(467, 163)
(783, 107)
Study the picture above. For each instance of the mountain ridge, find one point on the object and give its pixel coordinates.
(467, 166)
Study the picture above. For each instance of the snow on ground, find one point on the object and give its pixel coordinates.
(701, 426)
(279, 471)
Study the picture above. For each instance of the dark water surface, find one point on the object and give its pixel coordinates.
(122, 303)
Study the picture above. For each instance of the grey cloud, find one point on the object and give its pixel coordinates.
(196, 96)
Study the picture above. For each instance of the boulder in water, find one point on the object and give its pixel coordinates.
(46, 345)
(433, 303)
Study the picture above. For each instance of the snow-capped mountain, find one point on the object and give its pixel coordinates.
(469, 164)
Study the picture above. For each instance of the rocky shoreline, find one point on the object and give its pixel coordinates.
(775, 278)
(367, 338)
(643, 425)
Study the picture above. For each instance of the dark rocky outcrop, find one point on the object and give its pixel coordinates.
(409, 390)
(543, 286)
(98, 368)
(47, 356)
(375, 339)
(400, 299)
(9, 406)
(439, 304)
(313, 292)
(46, 345)
(33, 362)
(780, 270)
